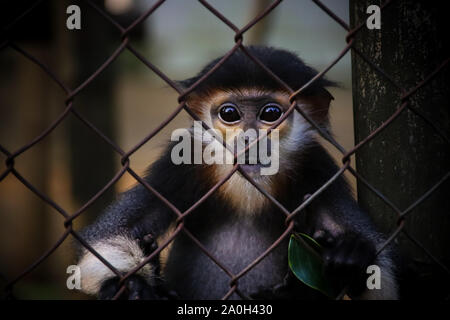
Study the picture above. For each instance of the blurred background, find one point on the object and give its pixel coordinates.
(125, 102)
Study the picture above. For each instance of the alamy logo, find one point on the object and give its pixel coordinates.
(374, 20)
(199, 146)
(374, 280)
(74, 20)
(74, 280)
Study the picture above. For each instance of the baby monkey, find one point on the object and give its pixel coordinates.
(237, 223)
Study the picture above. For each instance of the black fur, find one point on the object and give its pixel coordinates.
(237, 242)
(236, 238)
(239, 71)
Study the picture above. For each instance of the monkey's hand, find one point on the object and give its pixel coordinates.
(136, 288)
(123, 252)
(346, 258)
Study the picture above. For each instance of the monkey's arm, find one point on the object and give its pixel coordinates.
(350, 243)
(348, 236)
(123, 235)
(126, 232)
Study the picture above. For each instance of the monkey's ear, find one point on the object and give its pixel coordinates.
(317, 105)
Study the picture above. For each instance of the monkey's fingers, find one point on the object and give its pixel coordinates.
(346, 262)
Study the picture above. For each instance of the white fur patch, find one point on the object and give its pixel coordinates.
(121, 252)
(300, 134)
(244, 196)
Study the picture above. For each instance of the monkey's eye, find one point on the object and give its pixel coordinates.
(229, 113)
(270, 113)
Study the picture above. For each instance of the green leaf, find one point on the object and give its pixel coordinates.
(306, 263)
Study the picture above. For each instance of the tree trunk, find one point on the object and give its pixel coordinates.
(408, 157)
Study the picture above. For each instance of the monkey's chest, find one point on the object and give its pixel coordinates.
(235, 245)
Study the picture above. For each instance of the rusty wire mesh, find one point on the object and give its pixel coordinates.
(71, 94)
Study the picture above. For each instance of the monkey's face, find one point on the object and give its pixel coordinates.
(240, 117)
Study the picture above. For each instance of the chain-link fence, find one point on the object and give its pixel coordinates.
(405, 95)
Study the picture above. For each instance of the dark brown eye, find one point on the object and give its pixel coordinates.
(229, 113)
(270, 113)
